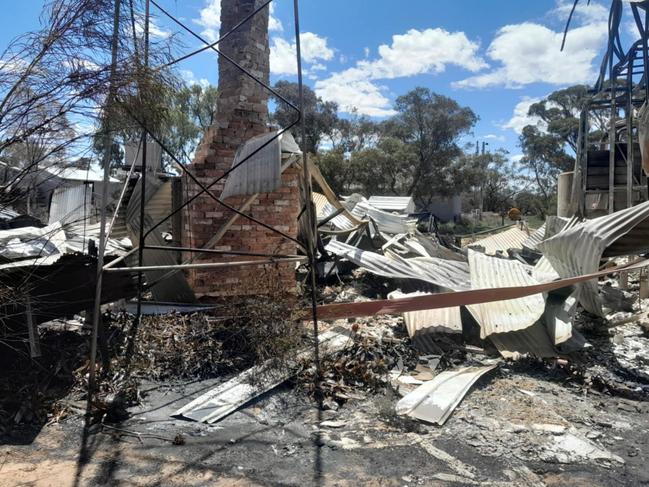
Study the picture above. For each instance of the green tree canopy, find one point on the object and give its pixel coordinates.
(320, 117)
(432, 125)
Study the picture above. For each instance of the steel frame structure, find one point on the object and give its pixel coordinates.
(205, 189)
(622, 85)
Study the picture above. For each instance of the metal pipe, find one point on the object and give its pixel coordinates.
(611, 143)
(120, 258)
(206, 265)
(629, 137)
(220, 252)
(311, 219)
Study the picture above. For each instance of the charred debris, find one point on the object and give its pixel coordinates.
(263, 278)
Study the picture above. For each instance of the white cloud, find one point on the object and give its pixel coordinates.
(274, 23)
(190, 78)
(520, 118)
(351, 93)
(210, 20)
(314, 49)
(154, 29)
(530, 53)
(427, 51)
(413, 53)
(499, 138)
(587, 12)
(282, 57)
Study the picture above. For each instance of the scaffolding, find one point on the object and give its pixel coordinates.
(608, 173)
(307, 211)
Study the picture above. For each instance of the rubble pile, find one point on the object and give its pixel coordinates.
(203, 345)
(363, 367)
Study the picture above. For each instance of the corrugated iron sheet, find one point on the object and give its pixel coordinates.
(386, 222)
(503, 316)
(71, 204)
(261, 173)
(77, 174)
(231, 395)
(435, 400)
(170, 287)
(451, 275)
(551, 226)
(533, 341)
(511, 238)
(20, 243)
(402, 204)
(324, 208)
(579, 247)
(442, 320)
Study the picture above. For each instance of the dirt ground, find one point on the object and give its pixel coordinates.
(515, 428)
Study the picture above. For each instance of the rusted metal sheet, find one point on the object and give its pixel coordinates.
(511, 238)
(579, 248)
(503, 316)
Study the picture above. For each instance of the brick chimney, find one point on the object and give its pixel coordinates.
(242, 113)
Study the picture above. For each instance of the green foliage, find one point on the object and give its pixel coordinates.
(320, 117)
(191, 112)
(560, 111)
(548, 147)
(432, 125)
(176, 114)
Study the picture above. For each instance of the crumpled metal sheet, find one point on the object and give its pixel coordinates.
(503, 316)
(226, 398)
(324, 209)
(441, 320)
(578, 249)
(533, 341)
(427, 247)
(552, 225)
(435, 400)
(262, 172)
(512, 238)
(386, 222)
(20, 243)
(71, 204)
(450, 275)
(401, 204)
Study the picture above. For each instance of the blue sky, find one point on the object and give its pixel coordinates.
(495, 56)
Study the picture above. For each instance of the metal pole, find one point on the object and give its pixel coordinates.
(104, 199)
(612, 145)
(207, 265)
(311, 220)
(140, 255)
(629, 133)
